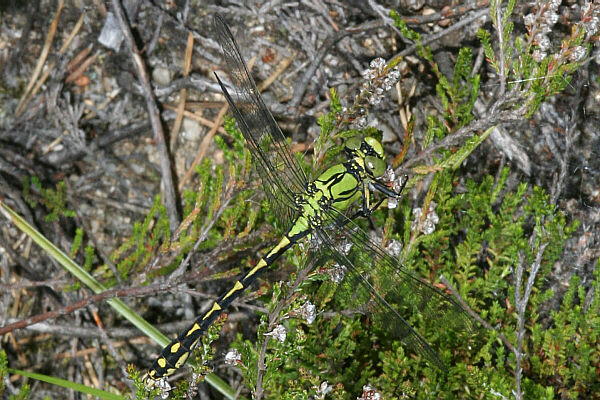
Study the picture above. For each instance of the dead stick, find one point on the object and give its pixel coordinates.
(157, 128)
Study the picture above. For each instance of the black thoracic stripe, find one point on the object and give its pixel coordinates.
(348, 193)
(333, 179)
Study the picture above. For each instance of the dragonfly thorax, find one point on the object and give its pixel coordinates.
(336, 188)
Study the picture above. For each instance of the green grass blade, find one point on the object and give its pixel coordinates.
(68, 385)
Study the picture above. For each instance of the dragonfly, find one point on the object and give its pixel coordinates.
(318, 209)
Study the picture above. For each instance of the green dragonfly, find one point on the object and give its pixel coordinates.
(317, 209)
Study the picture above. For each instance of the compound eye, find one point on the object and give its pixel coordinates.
(375, 145)
(353, 144)
(375, 166)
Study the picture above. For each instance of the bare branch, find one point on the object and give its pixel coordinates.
(153, 112)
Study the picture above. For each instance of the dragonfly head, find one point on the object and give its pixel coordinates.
(370, 151)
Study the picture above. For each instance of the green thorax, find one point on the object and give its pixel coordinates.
(338, 188)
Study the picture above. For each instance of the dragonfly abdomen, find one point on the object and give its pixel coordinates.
(174, 355)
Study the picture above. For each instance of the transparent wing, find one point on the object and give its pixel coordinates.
(281, 174)
(377, 284)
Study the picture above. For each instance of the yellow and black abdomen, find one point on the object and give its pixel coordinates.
(176, 353)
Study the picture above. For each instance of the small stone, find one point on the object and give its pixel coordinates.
(191, 130)
(161, 75)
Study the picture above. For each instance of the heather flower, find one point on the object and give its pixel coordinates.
(338, 273)
(369, 393)
(591, 27)
(553, 4)
(377, 80)
(538, 55)
(233, 357)
(431, 220)
(544, 42)
(529, 20)
(394, 247)
(279, 333)
(323, 389)
(577, 54)
(308, 311)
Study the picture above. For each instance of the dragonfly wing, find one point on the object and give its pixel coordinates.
(281, 173)
(376, 283)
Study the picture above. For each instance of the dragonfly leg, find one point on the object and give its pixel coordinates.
(367, 208)
(367, 211)
(387, 191)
